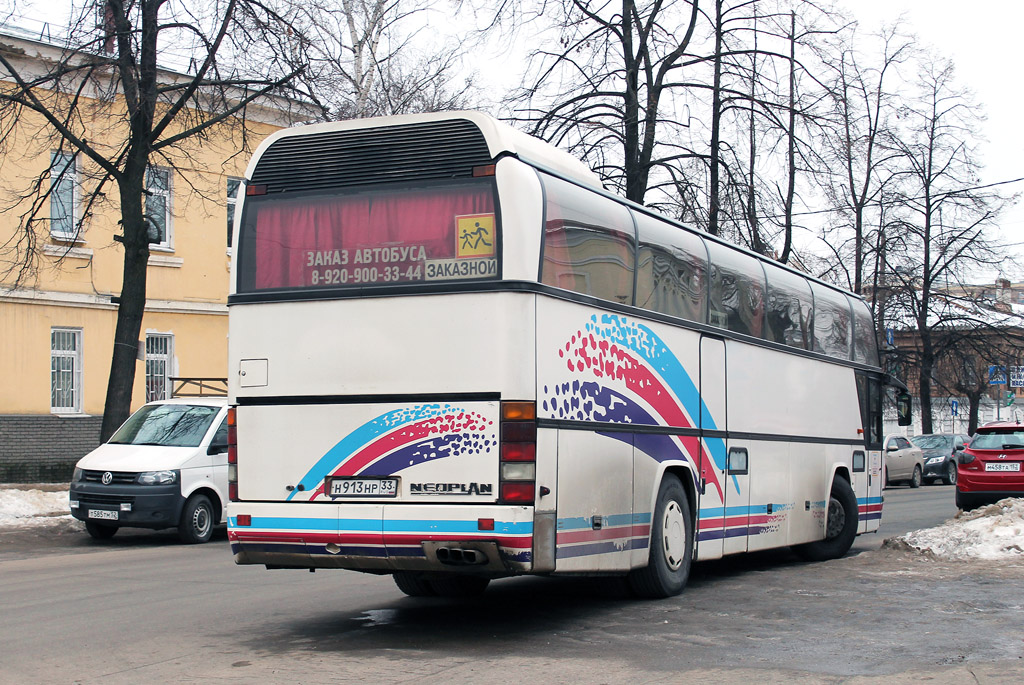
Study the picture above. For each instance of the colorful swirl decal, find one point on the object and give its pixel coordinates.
(400, 439)
(624, 373)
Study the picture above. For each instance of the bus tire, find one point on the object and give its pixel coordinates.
(459, 586)
(413, 584)
(841, 523)
(671, 548)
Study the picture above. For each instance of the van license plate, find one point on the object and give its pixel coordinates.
(1003, 466)
(103, 514)
(363, 487)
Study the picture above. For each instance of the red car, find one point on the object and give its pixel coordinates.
(989, 469)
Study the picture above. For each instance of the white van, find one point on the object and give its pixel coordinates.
(165, 467)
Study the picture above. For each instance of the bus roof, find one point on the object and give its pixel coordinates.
(501, 138)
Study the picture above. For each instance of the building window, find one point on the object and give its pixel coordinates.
(65, 370)
(158, 206)
(233, 185)
(63, 184)
(159, 353)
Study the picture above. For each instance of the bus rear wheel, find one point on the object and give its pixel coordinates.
(413, 584)
(671, 550)
(840, 525)
(459, 586)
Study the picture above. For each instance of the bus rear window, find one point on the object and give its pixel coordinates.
(369, 238)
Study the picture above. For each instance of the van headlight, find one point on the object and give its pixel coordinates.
(158, 477)
(78, 475)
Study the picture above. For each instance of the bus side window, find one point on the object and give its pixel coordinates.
(672, 270)
(589, 243)
(865, 343)
(737, 291)
(832, 324)
(788, 312)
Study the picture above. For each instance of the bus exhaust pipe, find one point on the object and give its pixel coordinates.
(477, 554)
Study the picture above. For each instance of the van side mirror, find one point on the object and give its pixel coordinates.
(217, 447)
(904, 411)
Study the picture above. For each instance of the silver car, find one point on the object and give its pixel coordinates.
(904, 461)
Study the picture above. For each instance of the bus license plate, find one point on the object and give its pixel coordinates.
(1004, 466)
(103, 514)
(363, 487)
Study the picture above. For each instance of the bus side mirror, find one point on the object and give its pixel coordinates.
(904, 413)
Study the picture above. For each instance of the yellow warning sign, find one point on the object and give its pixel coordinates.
(475, 235)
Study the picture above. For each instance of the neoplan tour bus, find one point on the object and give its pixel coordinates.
(455, 357)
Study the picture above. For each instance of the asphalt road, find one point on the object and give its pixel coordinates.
(143, 608)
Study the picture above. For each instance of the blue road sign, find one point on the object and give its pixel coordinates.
(954, 407)
(997, 375)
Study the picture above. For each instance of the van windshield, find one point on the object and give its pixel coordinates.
(172, 425)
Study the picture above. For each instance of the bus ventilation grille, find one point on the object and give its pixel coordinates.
(336, 159)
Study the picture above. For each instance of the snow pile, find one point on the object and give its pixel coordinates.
(32, 507)
(992, 532)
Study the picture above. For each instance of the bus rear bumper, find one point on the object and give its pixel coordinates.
(487, 540)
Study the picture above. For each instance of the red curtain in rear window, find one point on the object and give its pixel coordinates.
(360, 239)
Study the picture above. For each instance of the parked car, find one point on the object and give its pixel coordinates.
(903, 461)
(989, 469)
(940, 455)
(165, 467)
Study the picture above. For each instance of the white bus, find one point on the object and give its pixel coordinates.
(455, 357)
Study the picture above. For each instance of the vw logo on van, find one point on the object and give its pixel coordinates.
(107, 477)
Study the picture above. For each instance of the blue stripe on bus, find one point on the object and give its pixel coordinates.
(612, 521)
(377, 526)
(869, 500)
(726, 512)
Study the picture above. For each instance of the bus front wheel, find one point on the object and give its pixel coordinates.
(840, 525)
(671, 549)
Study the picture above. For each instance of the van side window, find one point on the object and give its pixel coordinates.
(589, 243)
(221, 436)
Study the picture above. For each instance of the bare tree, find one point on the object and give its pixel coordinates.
(944, 219)
(105, 99)
(601, 89)
(860, 164)
(372, 58)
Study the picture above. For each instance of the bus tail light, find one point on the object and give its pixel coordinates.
(518, 468)
(232, 455)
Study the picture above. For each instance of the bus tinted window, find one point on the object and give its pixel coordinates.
(588, 243)
(371, 237)
(737, 291)
(672, 270)
(865, 342)
(788, 313)
(832, 325)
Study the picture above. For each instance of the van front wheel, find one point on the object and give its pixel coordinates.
(99, 531)
(196, 520)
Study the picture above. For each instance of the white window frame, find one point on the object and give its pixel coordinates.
(166, 193)
(232, 205)
(63, 169)
(65, 364)
(159, 365)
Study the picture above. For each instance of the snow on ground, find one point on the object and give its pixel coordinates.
(992, 532)
(31, 505)
(995, 531)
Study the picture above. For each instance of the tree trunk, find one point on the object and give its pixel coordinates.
(130, 309)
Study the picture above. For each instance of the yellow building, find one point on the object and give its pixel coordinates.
(57, 319)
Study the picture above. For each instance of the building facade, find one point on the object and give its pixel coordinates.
(60, 281)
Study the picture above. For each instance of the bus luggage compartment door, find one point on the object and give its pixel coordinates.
(386, 453)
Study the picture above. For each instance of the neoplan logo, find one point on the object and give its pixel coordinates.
(451, 489)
